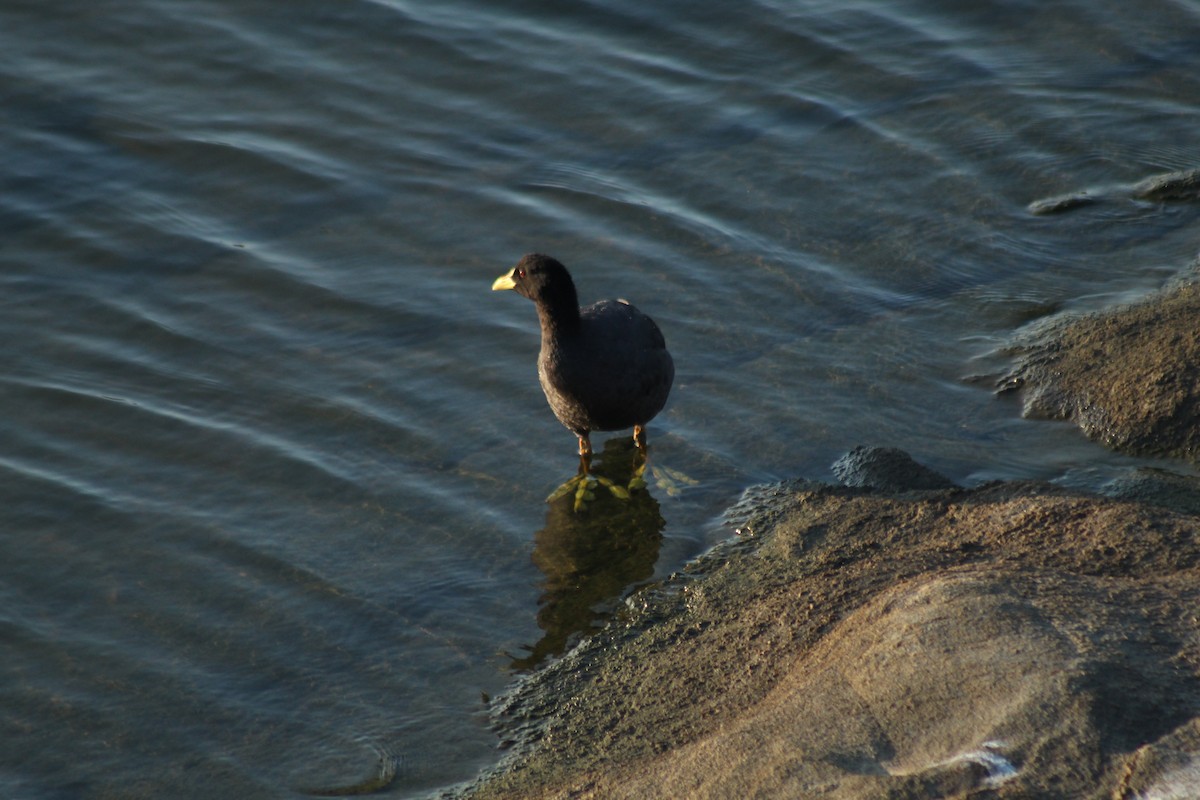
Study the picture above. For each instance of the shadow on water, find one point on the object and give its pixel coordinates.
(592, 557)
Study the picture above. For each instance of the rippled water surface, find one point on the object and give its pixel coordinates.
(274, 456)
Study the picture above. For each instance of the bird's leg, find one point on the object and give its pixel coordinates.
(637, 480)
(585, 454)
(585, 481)
(639, 437)
(582, 484)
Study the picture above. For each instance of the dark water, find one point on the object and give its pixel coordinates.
(274, 456)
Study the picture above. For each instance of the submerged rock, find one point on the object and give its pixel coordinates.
(1183, 185)
(1130, 378)
(1015, 640)
(1157, 487)
(887, 469)
(1063, 202)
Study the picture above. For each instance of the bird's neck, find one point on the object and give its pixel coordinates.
(559, 314)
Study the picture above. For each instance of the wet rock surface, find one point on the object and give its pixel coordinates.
(886, 469)
(1130, 378)
(1157, 487)
(1170, 186)
(1014, 640)
(1179, 186)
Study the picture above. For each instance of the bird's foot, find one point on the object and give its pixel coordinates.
(638, 479)
(570, 487)
(672, 481)
(641, 460)
(618, 492)
(583, 486)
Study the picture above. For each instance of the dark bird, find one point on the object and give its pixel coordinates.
(604, 367)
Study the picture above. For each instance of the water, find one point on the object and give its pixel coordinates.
(274, 456)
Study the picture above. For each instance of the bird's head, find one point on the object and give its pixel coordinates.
(542, 279)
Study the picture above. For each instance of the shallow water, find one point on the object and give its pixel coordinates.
(274, 455)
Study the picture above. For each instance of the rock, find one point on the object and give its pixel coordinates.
(887, 469)
(1130, 378)
(1011, 641)
(1168, 768)
(1157, 487)
(1062, 203)
(1182, 185)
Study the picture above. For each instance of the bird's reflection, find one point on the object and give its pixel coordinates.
(590, 559)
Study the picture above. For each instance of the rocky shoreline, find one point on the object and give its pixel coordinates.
(1127, 377)
(900, 637)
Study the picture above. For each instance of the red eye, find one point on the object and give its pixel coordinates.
(520, 272)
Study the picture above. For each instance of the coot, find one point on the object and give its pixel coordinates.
(604, 367)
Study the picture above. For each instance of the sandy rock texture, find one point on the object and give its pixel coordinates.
(1013, 640)
(1130, 378)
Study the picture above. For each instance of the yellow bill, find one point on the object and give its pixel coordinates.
(505, 281)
